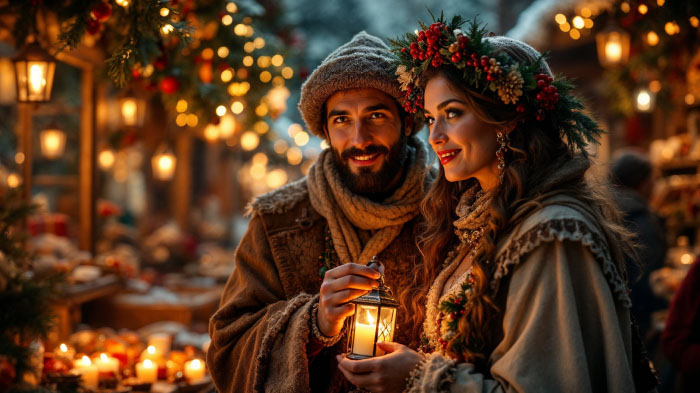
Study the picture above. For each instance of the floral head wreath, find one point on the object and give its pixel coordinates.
(498, 76)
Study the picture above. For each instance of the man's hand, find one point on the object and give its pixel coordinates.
(341, 285)
(381, 374)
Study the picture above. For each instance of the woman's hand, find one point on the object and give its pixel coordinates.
(381, 374)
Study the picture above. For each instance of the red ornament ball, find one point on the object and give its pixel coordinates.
(169, 85)
(93, 27)
(101, 12)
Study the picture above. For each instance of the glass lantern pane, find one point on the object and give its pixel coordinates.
(386, 326)
(365, 329)
(38, 73)
(21, 69)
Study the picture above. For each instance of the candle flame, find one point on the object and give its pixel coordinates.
(370, 318)
(103, 357)
(63, 348)
(86, 360)
(37, 79)
(148, 363)
(196, 364)
(151, 349)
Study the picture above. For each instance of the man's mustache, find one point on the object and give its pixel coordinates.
(368, 151)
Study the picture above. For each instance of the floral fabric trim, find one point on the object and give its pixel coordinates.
(562, 229)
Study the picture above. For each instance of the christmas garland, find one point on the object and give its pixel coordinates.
(498, 76)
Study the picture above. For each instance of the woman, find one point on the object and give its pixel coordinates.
(523, 256)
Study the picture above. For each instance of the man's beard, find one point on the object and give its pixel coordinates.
(373, 184)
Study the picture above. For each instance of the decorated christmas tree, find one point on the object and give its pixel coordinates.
(25, 314)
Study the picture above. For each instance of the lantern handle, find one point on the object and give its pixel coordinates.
(378, 266)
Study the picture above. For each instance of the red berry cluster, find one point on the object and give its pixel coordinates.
(547, 95)
(460, 47)
(431, 44)
(413, 100)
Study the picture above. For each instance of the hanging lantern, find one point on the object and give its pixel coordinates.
(613, 46)
(53, 142)
(132, 111)
(34, 70)
(644, 99)
(374, 320)
(163, 163)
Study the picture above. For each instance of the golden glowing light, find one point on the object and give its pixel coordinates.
(671, 28)
(19, 158)
(123, 3)
(301, 138)
(643, 9)
(237, 107)
(222, 51)
(694, 21)
(560, 18)
(265, 76)
(294, 156)
(227, 126)
(226, 75)
(264, 61)
(575, 34)
(260, 159)
(565, 27)
(689, 99)
(249, 31)
(652, 38)
(277, 60)
(643, 101)
(240, 29)
(687, 259)
(248, 47)
(625, 7)
(231, 7)
(261, 127)
(181, 120)
(280, 146)
(192, 120)
(13, 180)
(248, 61)
(167, 29)
(276, 178)
(226, 20)
(211, 133)
(163, 164)
(257, 171)
(106, 159)
(53, 143)
(37, 78)
(278, 81)
(181, 105)
(655, 86)
(259, 42)
(324, 145)
(588, 23)
(578, 22)
(294, 129)
(586, 12)
(164, 12)
(287, 72)
(660, 3)
(220, 110)
(261, 110)
(249, 140)
(208, 54)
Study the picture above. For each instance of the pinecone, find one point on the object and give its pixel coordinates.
(510, 86)
(494, 67)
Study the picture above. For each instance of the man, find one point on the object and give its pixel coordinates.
(280, 322)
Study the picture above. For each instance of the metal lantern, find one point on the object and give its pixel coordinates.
(53, 142)
(163, 163)
(613, 46)
(374, 320)
(34, 70)
(132, 111)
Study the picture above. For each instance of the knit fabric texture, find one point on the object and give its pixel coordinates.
(364, 62)
(346, 211)
(518, 51)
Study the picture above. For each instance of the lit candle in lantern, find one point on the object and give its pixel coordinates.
(88, 372)
(364, 334)
(194, 370)
(107, 364)
(147, 371)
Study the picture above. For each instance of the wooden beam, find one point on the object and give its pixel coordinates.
(87, 161)
(181, 190)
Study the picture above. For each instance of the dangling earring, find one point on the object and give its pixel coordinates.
(503, 140)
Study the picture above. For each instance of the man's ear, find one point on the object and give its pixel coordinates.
(408, 125)
(325, 132)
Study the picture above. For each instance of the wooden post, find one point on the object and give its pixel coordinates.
(182, 185)
(87, 162)
(24, 131)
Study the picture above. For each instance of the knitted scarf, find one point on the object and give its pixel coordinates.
(346, 211)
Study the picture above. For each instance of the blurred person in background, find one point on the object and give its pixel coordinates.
(680, 340)
(633, 175)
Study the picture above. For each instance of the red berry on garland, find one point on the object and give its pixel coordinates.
(169, 85)
(93, 27)
(135, 73)
(101, 12)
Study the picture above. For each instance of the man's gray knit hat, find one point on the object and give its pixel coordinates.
(364, 62)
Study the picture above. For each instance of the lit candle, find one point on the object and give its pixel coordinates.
(364, 336)
(107, 364)
(37, 78)
(88, 372)
(161, 343)
(146, 371)
(194, 370)
(65, 353)
(151, 354)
